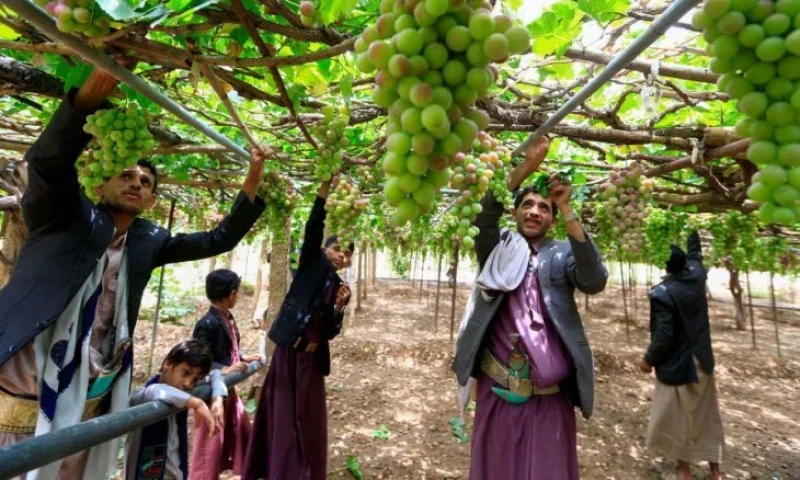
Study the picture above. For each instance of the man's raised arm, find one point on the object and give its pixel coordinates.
(52, 196)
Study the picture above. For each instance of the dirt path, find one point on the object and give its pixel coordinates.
(390, 368)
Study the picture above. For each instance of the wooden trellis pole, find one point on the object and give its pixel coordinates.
(158, 297)
(625, 302)
(750, 306)
(455, 291)
(774, 312)
(438, 289)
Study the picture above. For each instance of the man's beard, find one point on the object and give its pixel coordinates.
(119, 207)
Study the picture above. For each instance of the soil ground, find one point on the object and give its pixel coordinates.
(391, 368)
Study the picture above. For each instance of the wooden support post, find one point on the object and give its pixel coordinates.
(774, 312)
(364, 252)
(625, 302)
(750, 306)
(455, 291)
(154, 335)
(359, 282)
(438, 289)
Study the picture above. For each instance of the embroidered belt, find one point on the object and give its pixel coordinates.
(19, 414)
(516, 389)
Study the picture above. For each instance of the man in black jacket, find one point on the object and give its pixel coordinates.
(68, 313)
(685, 422)
(290, 429)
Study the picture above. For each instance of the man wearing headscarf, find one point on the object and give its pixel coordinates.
(685, 422)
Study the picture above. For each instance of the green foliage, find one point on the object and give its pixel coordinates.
(556, 29)
(458, 429)
(354, 467)
(604, 11)
(400, 264)
(176, 301)
(382, 433)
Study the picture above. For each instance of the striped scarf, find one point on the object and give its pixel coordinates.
(62, 364)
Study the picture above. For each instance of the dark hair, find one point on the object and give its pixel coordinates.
(195, 353)
(677, 259)
(143, 162)
(221, 283)
(334, 239)
(522, 192)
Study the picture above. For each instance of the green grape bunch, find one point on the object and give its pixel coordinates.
(280, 197)
(344, 206)
(434, 60)
(625, 199)
(330, 134)
(755, 47)
(83, 16)
(471, 177)
(498, 156)
(121, 138)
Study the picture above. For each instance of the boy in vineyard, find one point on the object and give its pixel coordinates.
(290, 429)
(159, 451)
(213, 454)
(685, 422)
(522, 337)
(68, 313)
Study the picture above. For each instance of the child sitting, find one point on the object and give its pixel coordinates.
(159, 451)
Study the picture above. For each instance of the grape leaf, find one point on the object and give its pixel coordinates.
(354, 467)
(331, 10)
(604, 11)
(556, 29)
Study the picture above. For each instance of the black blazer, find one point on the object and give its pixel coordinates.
(68, 234)
(679, 326)
(314, 271)
(211, 329)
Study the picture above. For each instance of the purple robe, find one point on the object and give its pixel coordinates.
(290, 430)
(535, 440)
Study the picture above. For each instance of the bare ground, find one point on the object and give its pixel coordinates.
(391, 368)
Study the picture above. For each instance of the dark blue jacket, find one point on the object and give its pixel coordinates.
(68, 234)
(314, 272)
(679, 326)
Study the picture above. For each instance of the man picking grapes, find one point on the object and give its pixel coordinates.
(68, 313)
(685, 422)
(290, 430)
(522, 337)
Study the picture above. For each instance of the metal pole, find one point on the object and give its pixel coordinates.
(21, 457)
(671, 15)
(45, 23)
(158, 296)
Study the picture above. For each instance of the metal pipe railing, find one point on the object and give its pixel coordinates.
(27, 455)
(678, 9)
(45, 23)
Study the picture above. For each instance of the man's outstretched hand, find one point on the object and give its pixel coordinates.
(535, 153)
(256, 171)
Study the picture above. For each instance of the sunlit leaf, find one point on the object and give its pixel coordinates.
(556, 29)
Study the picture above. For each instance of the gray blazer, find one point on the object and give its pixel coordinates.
(563, 267)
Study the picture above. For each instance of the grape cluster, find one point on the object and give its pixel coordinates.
(434, 61)
(344, 205)
(122, 138)
(625, 199)
(331, 142)
(755, 46)
(280, 197)
(498, 158)
(82, 16)
(471, 177)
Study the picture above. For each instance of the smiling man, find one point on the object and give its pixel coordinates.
(68, 313)
(522, 337)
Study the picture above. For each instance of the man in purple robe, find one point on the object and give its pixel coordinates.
(290, 430)
(523, 339)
